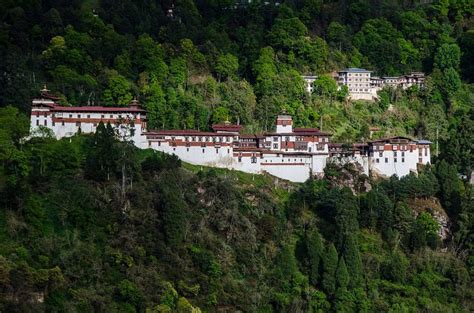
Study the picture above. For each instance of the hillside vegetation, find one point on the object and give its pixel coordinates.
(91, 224)
(210, 61)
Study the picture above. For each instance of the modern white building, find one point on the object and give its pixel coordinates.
(363, 86)
(357, 81)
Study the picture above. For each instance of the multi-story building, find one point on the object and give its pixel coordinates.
(309, 83)
(293, 154)
(357, 81)
(66, 121)
(290, 153)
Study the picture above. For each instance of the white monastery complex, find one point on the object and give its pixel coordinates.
(290, 153)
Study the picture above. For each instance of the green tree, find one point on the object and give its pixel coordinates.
(118, 91)
(447, 56)
(226, 66)
(342, 275)
(173, 208)
(315, 250)
(330, 262)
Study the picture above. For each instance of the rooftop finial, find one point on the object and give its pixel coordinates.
(45, 89)
(134, 103)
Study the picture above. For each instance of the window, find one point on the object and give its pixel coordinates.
(403, 153)
(420, 160)
(54, 123)
(254, 159)
(394, 153)
(159, 143)
(78, 124)
(395, 160)
(217, 150)
(102, 116)
(287, 138)
(174, 149)
(45, 123)
(275, 146)
(203, 150)
(275, 138)
(88, 116)
(403, 160)
(240, 158)
(70, 115)
(228, 150)
(394, 147)
(78, 115)
(187, 149)
(426, 151)
(111, 116)
(380, 154)
(386, 160)
(377, 161)
(37, 122)
(62, 123)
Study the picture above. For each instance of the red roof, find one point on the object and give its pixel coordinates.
(188, 132)
(226, 127)
(307, 130)
(97, 109)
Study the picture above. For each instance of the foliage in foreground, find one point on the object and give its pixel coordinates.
(74, 237)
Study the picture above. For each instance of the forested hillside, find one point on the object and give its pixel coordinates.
(89, 223)
(207, 61)
(93, 224)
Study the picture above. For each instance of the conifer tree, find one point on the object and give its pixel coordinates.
(315, 253)
(329, 269)
(354, 261)
(342, 276)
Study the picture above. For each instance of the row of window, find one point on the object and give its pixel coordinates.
(359, 74)
(395, 153)
(89, 116)
(206, 139)
(395, 160)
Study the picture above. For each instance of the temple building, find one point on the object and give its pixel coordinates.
(291, 153)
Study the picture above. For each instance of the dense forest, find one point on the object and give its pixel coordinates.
(93, 224)
(89, 223)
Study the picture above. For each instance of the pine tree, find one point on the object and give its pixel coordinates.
(354, 261)
(329, 269)
(342, 275)
(315, 254)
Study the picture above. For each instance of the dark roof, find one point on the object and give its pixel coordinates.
(389, 139)
(424, 142)
(355, 69)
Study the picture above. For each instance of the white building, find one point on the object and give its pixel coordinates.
(309, 83)
(290, 153)
(357, 81)
(66, 121)
(385, 157)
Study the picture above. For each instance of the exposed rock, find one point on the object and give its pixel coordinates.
(432, 206)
